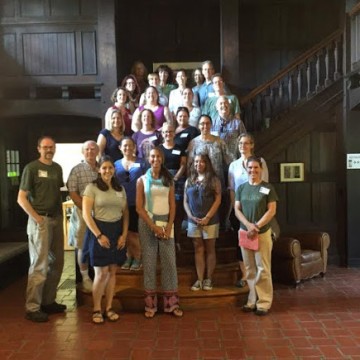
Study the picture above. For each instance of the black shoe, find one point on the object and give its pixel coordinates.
(37, 316)
(247, 308)
(261, 312)
(53, 308)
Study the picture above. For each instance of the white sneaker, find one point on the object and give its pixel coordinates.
(207, 285)
(197, 285)
(87, 285)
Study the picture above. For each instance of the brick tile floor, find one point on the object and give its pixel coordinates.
(318, 320)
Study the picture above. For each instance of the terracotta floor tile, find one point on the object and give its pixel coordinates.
(320, 320)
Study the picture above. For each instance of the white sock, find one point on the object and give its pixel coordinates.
(84, 274)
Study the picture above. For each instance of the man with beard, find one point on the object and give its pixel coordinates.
(39, 196)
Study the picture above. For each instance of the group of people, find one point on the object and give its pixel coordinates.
(174, 155)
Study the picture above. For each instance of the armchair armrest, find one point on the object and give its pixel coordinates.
(287, 248)
(317, 240)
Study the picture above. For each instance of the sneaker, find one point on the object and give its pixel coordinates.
(37, 316)
(207, 285)
(197, 285)
(136, 265)
(87, 285)
(53, 308)
(261, 312)
(241, 283)
(126, 265)
(247, 308)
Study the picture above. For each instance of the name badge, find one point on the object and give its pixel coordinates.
(153, 138)
(184, 135)
(136, 165)
(215, 133)
(42, 173)
(264, 190)
(176, 152)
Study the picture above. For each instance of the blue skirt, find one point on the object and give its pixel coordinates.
(98, 255)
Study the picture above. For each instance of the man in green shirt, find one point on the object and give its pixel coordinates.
(39, 196)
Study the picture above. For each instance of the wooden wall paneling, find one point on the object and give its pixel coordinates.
(229, 42)
(49, 53)
(88, 8)
(324, 146)
(281, 206)
(88, 52)
(324, 203)
(299, 205)
(7, 8)
(64, 7)
(32, 8)
(301, 152)
(8, 54)
(106, 51)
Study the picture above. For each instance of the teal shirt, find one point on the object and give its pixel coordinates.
(254, 200)
(43, 182)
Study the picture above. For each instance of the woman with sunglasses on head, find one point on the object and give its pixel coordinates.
(127, 171)
(255, 206)
(175, 162)
(106, 215)
(155, 204)
(238, 175)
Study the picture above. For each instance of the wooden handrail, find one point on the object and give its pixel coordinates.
(292, 66)
(355, 10)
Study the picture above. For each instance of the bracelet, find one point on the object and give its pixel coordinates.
(99, 236)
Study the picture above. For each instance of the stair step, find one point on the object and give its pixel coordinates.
(132, 299)
(224, 275)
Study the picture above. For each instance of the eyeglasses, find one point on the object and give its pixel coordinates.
(244, 143)
(167, 131)
(127, 176)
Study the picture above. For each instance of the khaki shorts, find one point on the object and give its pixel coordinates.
(205, 232)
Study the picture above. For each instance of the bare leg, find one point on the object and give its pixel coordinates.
(243, 270)
(210, 257)
(199, 257)
(99, 285)
(110, 287)
(133, 245)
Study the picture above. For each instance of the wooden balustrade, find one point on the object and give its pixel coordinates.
(304, 77)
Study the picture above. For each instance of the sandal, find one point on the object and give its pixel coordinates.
(97, 317)
(177, 312)
(111, 315)
(149, 314)
(241, 283)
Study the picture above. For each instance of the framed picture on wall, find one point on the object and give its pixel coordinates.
(291, 172)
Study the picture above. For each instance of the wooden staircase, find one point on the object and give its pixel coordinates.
(129, 284)
(296, 99)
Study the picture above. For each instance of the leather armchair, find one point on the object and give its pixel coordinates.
(299, 256)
